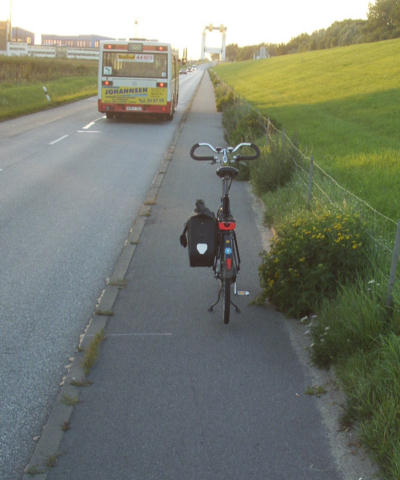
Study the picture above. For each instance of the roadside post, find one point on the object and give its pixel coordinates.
(46, 93)
(395, 259)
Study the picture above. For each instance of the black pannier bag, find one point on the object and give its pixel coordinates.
(200, 236)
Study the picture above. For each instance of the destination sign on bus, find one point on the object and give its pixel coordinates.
(135, 58)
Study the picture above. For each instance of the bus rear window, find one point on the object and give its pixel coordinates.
(144, 65)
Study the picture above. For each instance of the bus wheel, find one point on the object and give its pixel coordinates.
(109, 115)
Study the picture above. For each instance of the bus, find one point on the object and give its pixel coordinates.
(138, 76)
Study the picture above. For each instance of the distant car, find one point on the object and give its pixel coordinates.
(183, 72)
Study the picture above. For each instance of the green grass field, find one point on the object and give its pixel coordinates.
(342, 105)
(22, 80)
(20, 99)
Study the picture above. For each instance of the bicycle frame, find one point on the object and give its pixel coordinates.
(228, 250)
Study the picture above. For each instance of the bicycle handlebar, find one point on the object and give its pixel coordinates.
(225, 151)
(253, 146)
(196, 157)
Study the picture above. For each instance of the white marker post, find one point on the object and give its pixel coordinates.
(46, 93)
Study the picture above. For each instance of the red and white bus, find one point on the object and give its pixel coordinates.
(138, 76)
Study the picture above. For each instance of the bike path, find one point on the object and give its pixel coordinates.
(177, 394)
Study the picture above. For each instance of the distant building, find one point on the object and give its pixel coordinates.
(261, 54)
(264, 53)
(77, 41)
(20, 35)
(17, 35)
(3, 35)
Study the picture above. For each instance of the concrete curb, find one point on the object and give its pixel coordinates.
(47, 449)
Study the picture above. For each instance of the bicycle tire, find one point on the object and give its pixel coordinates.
(226, 299)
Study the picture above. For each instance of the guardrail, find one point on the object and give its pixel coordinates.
(24, 49)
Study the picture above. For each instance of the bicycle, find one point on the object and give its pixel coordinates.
(226, 264)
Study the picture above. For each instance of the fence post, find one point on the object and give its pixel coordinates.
(310, 182)
(395, 258)
(267, 135)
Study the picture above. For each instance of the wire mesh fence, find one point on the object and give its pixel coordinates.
(320, 189)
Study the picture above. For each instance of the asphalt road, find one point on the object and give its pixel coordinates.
(70, 184)
(177, 394)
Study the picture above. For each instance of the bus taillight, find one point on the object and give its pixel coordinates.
(107, 83)
(162, 84)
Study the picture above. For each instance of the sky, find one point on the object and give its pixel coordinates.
(181, 23)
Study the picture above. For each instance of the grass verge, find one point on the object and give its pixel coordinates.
(24, 98)
(92, 352)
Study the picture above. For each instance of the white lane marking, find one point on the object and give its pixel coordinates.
(88, 125)
(139, 334)
(88, 131)
(58, 140)
(1, 169)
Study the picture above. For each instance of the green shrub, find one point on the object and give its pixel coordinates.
(29, 70)
(308, 259)
(242, 123)
(224, 98)
(274, 168)
(353, 321)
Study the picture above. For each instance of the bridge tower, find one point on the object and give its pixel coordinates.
(205, 49)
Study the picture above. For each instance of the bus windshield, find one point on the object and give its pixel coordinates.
(144, 65)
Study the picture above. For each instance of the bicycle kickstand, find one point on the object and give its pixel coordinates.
(211, 308)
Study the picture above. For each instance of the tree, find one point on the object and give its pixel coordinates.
(232, 52)
(383, 20)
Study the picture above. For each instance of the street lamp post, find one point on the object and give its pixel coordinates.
(9, 23)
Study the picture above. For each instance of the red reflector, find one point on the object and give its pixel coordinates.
(226, 226)
(229, 264)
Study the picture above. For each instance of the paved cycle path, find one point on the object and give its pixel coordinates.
(176, 394)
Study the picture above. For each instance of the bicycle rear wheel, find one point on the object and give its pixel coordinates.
(226, 299)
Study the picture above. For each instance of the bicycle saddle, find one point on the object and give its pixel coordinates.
(227, 172)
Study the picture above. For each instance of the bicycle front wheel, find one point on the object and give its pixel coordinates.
(226, 299)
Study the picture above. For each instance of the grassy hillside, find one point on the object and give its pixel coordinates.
(342, 105)
(22, 80)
